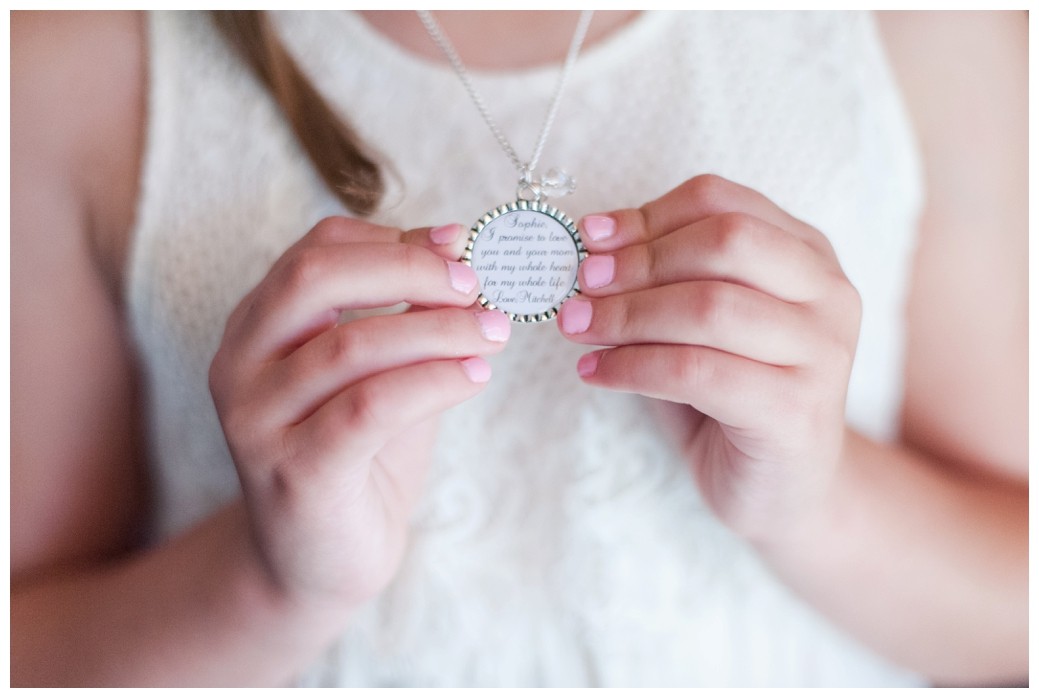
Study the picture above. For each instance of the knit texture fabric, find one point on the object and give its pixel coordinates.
(561, 540)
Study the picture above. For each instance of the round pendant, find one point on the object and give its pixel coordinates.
(525, 254)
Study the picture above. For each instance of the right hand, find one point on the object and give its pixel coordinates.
(331, 426)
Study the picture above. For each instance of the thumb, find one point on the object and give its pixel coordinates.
(448, 241)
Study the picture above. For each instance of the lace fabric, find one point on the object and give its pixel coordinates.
(560, 540)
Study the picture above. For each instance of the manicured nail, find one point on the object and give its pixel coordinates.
(597, 270)
(463, 278)
(598, 227)
(587, 364)
(445, 234)
(576, 315)
(494, 325)
(478, 370)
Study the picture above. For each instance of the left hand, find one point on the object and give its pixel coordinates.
(715, 298)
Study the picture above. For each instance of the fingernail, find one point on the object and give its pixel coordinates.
(598, 227)
(494, 325)
(463, 278)
(576, 315)
(478, 370)
(445, 234)
(588, 363)
(597, 270)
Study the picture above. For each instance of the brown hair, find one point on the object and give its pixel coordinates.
(330, 142)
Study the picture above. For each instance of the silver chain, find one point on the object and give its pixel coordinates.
(526, 169)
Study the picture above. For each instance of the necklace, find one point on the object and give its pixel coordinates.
(525, 252)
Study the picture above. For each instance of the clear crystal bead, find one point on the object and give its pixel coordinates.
(556, 183)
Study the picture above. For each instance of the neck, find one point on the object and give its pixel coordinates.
(499, 39)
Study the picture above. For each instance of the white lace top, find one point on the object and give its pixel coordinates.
(560, 540)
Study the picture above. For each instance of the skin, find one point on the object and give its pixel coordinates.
(918, 548)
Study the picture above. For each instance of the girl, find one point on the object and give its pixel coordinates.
(797, 458)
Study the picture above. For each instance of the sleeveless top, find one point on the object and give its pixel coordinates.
(560, 539)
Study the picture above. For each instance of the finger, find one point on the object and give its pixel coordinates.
(732, 247)
(725, 316)
(337, 230)
(314, 280)
(447, 241)
(734, 390)
(295, 387)
(697, 199)
(356, 423)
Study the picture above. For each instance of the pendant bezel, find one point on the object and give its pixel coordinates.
(537, 206)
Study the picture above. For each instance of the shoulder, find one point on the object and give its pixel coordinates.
(941, 55)
(78, 93)
(964, 77)
(75, 74)
(935, 28)
(77, 114)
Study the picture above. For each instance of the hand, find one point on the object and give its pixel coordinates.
(714, 298)
(330, 426)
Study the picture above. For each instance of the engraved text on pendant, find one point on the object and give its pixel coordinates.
(525, 254)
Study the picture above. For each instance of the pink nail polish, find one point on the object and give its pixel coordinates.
(476, 369)
(598, 227)
(597, 270)
(445, 234)
(576, 315)
(494, 325)
(588, 363)
(463, 278)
